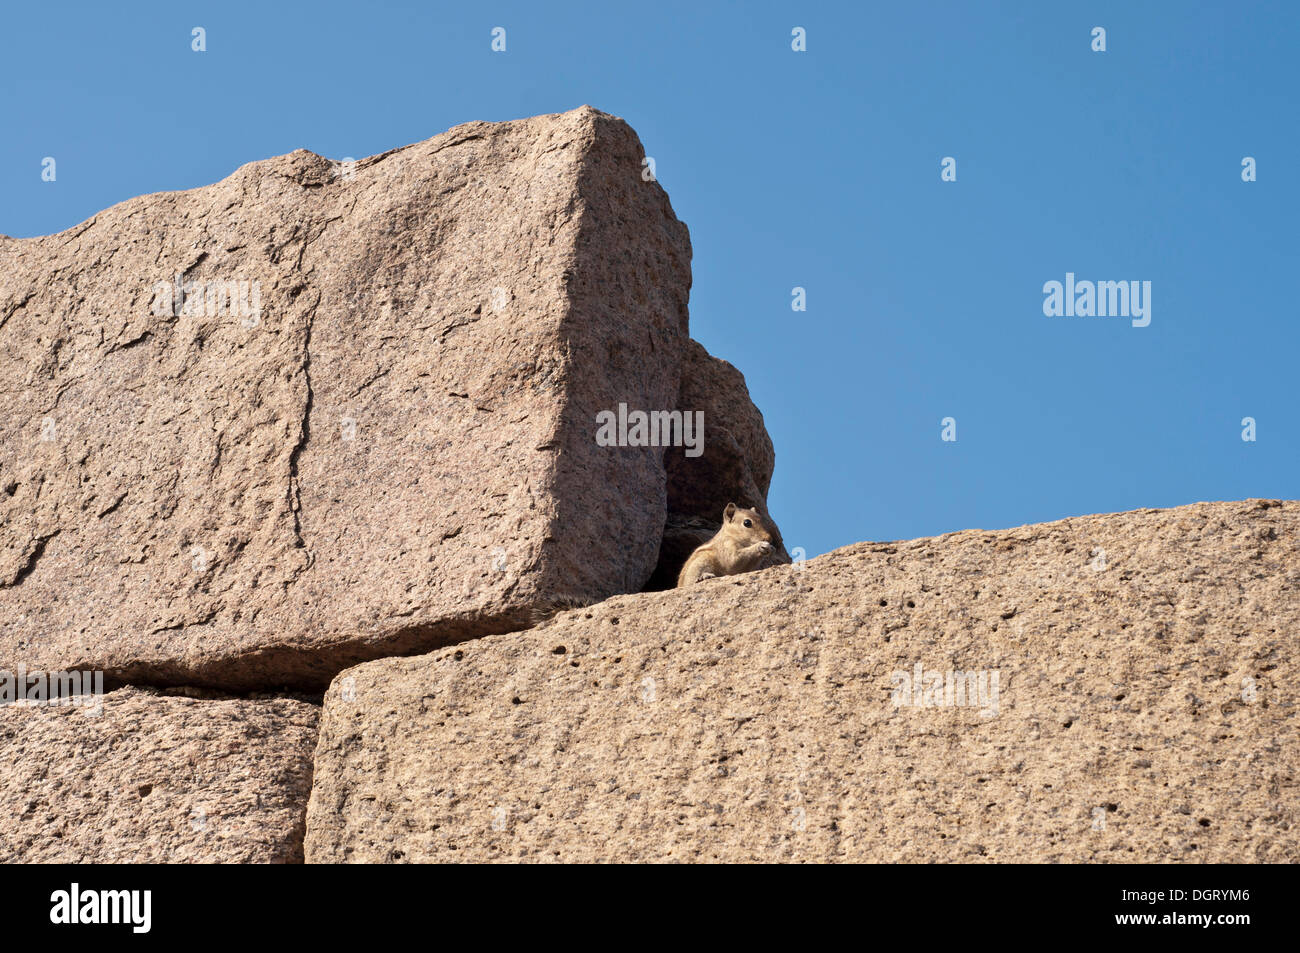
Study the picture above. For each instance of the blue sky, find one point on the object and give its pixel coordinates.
(820, 170)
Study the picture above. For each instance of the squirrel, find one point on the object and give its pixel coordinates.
(739, 546)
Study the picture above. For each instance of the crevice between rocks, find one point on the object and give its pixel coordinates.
(305, 671)
(304, 433)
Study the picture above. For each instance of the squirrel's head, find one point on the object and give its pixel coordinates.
(746, 524)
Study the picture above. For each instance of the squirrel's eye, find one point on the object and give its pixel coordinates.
(749, 522)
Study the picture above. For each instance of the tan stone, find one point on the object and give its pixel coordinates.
(395, 451)
(155, 779)
(1146, 711)
(738, 459)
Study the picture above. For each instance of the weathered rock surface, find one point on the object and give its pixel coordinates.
(155, 779)
(385, 445)
(738, 459)
(1146, 711)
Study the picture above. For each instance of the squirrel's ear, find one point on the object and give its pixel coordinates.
(729, 512)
